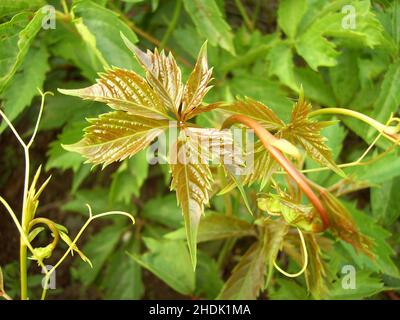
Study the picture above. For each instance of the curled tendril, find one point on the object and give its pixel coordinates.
(294, 275)
(50, 224)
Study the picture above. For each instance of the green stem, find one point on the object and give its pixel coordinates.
(384, 129)
(171, 26)
(246, 19)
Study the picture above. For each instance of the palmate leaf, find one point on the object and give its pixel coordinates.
(162, 73)
(247, 278)
(257, 111)
(343, 225)
(192, 181)
(115, 136)
(123, 90)
(197, 85)
(307, 133)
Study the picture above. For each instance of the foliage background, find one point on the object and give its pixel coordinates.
(262, 49)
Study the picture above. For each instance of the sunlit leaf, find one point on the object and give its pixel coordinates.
(307, 133)
(163, 75)
(191, 179)
(197, 85)
(115, 136)
(123, 90)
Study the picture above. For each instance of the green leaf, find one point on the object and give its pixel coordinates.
(17, 36)
(366, 286)
(290, 13)
(379, 171)
(164, 210)
(388, 100)
(247, 277)
(307, 133)
(28, 80)
(344, 77)
(99, 248)
(170, 261)
(210, 23)
(11, 7)
(103, 26)
(382, 250)
(208, 278)
(281, 64)
(385, 203)
(123, 277)
(129, 178)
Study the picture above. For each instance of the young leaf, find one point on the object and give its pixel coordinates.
(117, 135)
(247, 277)
(192, 182)
(163, 75)
(257, 111)
(307, 133)
(290, 13)
(343, 225)
(197, 85)
(123, 90)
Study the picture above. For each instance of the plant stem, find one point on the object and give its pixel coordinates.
(360, 116)
(172, 25)
(265, 138)
(246, 19)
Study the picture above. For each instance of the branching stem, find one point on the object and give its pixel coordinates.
(266, 138)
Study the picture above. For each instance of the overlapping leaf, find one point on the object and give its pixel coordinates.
(307, 133)
(163, 75)
(197, 85)
(123, 90)
(117, 135)
(257, 111)
(192, 181)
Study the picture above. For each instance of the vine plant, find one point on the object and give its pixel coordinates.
(28, 224)
(144, 108)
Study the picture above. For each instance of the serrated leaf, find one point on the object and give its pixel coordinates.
(388, 100)
(197, 84)
(209, 23)
(28, 80)
(343, 225)
(115, 136)
(290, 13)
(123, 90)
(163, 75)
(104, 27)
(17, 36)
(281, 64)
(384, 202)
(247, 277)
(192, 182)
(257, 111)
(307, 133)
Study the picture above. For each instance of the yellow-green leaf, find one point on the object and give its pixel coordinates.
(123, 90)
(115, 136)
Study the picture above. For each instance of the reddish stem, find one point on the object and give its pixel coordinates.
(265, 138)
